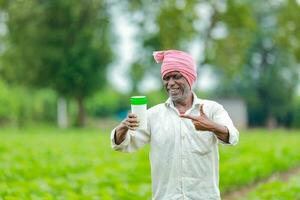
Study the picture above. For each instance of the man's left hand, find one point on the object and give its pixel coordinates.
(201, 122)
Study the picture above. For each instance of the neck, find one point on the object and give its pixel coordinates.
(184, 105)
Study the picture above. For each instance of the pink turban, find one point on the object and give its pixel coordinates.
(174, 60)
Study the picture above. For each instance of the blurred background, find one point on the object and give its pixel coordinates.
(74, 61)
(65, 65)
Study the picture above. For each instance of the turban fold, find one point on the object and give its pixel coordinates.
(174, 60)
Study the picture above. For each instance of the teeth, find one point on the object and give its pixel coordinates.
(173, 90)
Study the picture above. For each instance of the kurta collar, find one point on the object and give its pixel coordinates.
(196, 101)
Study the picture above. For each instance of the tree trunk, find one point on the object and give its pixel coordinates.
(62, 113)
(271, 122)
(81, 112)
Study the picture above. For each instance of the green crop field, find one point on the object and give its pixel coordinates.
(289, 190)
(48, 163)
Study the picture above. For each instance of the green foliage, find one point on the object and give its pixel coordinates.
(48, 163)
(136, 73)
(21, 105)
(9, 102)
(156, 97)
(107, 102)
(165, 25)
(70, 164)
(228, 54)
(248, 164)
(278, 189)
(272, 85)
(256, 57)
(296, 114)
(169, 34)
(64, 45)
(289, 29)
(261, 69)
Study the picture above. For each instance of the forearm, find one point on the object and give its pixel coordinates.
(221, 132)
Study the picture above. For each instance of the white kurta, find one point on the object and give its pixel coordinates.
(184, 161)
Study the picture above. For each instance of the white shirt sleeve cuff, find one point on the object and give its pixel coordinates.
(121, 146)
(233, 136)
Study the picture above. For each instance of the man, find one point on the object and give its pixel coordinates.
(183, 133)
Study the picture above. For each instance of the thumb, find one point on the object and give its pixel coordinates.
(201, 110)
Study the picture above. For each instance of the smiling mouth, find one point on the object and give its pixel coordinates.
(173, 90)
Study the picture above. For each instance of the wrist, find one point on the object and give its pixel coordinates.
(120, 133)
(213, 127)
(121, 128)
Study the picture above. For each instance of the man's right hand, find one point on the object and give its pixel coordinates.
(131, 122)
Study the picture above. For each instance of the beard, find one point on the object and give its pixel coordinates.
(180, 95)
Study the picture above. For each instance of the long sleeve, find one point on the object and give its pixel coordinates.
(221, 116)
(133, 141)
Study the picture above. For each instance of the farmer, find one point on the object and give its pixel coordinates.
(183, 132)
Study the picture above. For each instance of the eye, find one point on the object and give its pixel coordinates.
(178, 76)
(166, 78)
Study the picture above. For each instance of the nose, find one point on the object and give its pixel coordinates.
(171, 81)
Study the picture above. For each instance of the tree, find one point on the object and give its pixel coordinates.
(65, 45)
(288, 32)
(163, 25)
(253, 64)
(270, 76)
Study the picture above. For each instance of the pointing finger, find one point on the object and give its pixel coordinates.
(189, 117)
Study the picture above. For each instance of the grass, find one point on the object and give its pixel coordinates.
(259, 154)
(48, 163)
(71, 164)
(277, 189)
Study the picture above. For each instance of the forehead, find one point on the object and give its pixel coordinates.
(174, 73)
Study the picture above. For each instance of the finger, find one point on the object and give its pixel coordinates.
(131, 128)
(198, 126)
(132, 125)
(194, 122)
(201, 110)
(133, 120)
(131, 115)
(189, 117)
